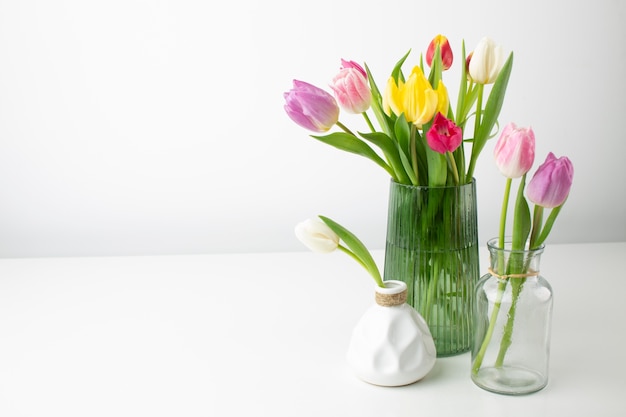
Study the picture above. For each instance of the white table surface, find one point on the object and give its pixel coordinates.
(266, 335)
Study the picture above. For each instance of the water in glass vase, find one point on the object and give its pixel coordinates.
(432, 245)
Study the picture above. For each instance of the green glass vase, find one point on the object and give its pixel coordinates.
(432, 245)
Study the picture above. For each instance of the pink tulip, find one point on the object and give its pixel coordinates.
(351, 88)
(550, 185)
(444, 47)
(444, 136)
(311, 107)
(351, 64)
(515, 151)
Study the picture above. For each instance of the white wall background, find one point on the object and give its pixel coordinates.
(157, 127)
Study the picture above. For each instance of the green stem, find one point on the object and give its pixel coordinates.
(369, 122)
(453, 168)
(373, 273)
(492, 324)
(345, 128)
(537, 222)
(548, 226)
(413, 145)
(351, 254)
(516, 265)
(432, 286)
(505, 343)
(503, 211)
(500, 267)
(479, 113)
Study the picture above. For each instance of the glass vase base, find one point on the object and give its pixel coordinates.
(509, 380)
(449, 353)
(451, 340)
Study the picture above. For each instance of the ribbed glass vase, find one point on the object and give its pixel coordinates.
(432, 245)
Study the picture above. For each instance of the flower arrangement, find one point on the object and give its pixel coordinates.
(420, 136)
(548, 189)
(421, 143)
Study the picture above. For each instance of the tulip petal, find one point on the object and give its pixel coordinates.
(317, 236)
(551, 184)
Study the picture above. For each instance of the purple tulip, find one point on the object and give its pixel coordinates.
(515, 151)
(351, 88)
(550, 185)
(311, 107)
(444, 136)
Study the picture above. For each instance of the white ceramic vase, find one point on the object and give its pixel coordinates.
(391, 344)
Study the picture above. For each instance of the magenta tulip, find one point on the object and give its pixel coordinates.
(515, 151)
(550, 185)
(351, 88)
(311, 107)
(444, 136)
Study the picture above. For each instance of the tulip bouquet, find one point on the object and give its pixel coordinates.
(548, 189)
(420, 135)
(420, 142)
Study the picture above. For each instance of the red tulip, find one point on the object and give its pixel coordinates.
(446, 52)
(444, 136)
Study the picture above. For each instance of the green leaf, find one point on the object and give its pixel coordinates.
(493, 107)
(397, 69)
(402, 129)
(460, 103)
(521, 218)
(408, 168)
(390, 149)
(436, 68)
(384, 121)
(349, 143)
(437, 167)
(548, 226)
(357, 247)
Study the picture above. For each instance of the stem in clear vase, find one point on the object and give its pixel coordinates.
(516, 288)
(478, 361)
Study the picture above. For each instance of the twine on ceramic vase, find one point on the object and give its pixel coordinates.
(530, 273)
(390, 300)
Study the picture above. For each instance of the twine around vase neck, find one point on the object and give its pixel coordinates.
(390, 300)
(530, 273)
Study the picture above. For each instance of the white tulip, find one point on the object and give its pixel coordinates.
(486, 62)
(317, 236)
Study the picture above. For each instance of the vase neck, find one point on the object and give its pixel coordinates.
(393, 294)
(513, 263)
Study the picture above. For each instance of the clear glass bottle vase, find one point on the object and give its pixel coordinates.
(512, 323)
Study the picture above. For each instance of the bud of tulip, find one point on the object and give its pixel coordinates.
(351, 88)
(515, 151)
(444, 47)
(416, 98)
(311, 107)
(444, 136)
(486, 62)
(351, 64)
(550, 185)
(317, 236)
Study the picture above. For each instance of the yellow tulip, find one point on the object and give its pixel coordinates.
(416, 98)
(443, 101)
